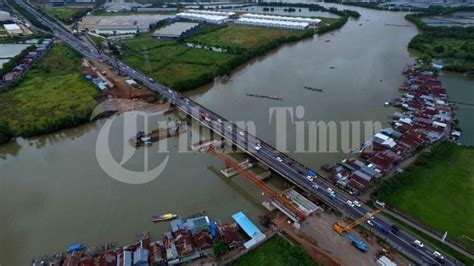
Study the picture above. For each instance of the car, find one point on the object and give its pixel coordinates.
(418, 243)
(356, 203)
(330, 190)
(370, 215)
(350, 203)
(369, 222)
(279, 159)
(151, 80)
(241, 133)
(170, 91)
(257, 148)
(315, 186)
(229, 127)
(380, 203)
(394, 229)
(219, 120)
(438, 255)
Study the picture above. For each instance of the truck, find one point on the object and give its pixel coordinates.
(357, 243)
(312, 173)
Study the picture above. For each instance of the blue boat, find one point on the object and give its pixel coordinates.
(75, 247)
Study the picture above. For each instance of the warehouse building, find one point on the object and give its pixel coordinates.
(4, 16)
(175, 30)
(117, 25)
(12, 28)
(272, 23)
(310, 21)
(207, 16)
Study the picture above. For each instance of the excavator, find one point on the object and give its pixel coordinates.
(342, 228)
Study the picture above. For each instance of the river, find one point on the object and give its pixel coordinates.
(54, 193)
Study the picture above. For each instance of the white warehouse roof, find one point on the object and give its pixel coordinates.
(203, 17)
(208, 12)
(272, 23)
(282, 18)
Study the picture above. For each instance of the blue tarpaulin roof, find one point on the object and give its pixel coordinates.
(249, 228)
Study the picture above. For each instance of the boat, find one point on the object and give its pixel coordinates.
(313, 89)
(165, 217)
(75, 247)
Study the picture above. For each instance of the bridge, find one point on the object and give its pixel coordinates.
(280, 163)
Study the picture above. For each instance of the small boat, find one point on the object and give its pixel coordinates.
(75, 247)
(164, 217)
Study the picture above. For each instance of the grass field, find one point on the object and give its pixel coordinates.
(66, 15)
(174, 64)
(276, 252)
(241, 36)
(53, 95)
(438, 190)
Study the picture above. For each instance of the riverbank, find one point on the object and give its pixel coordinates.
(42, 103)
(423, 190)
(183, 68)
(452, 44)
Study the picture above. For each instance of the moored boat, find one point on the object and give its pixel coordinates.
(163, 217)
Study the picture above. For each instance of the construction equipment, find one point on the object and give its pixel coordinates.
(342, 228)
(281, 199)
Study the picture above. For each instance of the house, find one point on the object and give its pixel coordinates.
(11, 76)
(202, 240)
(230, 235)
(170, 246)
(140, 257)
(184, 243)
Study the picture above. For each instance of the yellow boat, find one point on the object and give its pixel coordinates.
(164, 217)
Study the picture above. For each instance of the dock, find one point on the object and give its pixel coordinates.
(230, 172)
(265, 96)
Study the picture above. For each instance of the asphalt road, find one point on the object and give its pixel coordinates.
(280, 163)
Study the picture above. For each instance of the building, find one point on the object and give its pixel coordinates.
(175, 30)
(119, 25)
(56, 2)
(4, 16)
(310, 21)
(193, 224)
(140, 257)
(249, 228)
(13, 28)
(207, 16)
(272, 23)
(384, 261)
(230, 235)
(202, 240)
(184, 243)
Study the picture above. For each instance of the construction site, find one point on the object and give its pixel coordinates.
(326, 236)
(120, 93)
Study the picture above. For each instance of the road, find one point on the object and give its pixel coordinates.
(278, 162)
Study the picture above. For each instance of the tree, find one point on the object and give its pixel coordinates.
(5, 132)
(219, 248)
(439, 49)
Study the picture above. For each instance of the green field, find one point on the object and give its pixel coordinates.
(438, 190)
(183, 68)
(67, 15)
(53, 95)
(175, 64)
(276, 252)
(237, 36)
